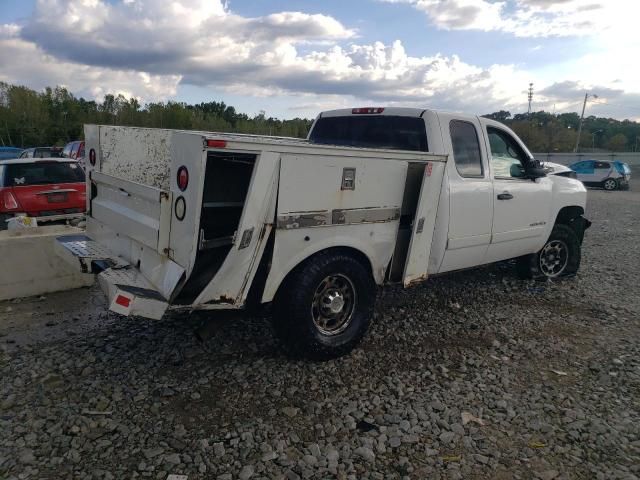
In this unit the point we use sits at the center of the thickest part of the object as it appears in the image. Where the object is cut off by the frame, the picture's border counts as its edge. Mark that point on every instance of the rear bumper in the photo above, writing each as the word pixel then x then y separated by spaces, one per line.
pixel 57 218
pixel 128 291
pixel 46 218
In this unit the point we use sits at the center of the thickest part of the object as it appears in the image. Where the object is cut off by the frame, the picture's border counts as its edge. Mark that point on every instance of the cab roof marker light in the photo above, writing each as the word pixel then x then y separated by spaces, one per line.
pixel 367 110
pixel 216 143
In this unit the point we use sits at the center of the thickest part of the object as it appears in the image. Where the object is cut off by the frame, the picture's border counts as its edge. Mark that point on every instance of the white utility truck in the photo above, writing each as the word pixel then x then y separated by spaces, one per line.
pixel 195 220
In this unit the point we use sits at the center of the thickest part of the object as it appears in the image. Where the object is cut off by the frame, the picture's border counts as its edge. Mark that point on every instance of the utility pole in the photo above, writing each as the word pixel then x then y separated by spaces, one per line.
pixel 584 105
pixel 530 97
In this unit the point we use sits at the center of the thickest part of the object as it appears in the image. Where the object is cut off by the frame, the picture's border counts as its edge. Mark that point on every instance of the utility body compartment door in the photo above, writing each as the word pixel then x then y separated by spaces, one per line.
pixel 336 200
pixel 230 285
pixel 423 224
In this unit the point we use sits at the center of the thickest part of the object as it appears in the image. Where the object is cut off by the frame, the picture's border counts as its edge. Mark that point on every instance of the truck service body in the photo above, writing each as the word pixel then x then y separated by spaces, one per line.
pixel 204 220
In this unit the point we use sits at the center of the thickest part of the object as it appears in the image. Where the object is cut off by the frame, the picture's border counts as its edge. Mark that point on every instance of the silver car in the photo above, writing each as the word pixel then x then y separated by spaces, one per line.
pixel 610 175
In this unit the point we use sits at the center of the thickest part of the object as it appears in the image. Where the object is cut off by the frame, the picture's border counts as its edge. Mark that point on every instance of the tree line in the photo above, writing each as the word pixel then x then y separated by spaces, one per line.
pixel 547 132
pixel 55 116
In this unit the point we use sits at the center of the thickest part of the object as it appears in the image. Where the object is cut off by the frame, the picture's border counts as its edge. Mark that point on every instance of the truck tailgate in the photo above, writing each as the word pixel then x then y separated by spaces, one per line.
pixel 141 212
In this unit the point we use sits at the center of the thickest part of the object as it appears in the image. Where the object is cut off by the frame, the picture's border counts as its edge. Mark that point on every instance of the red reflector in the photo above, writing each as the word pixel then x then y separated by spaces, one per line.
pixel 123 301
pixel 183 178
pixel 366 110
pixel 217 143
pixel 10 202
pixel 92 157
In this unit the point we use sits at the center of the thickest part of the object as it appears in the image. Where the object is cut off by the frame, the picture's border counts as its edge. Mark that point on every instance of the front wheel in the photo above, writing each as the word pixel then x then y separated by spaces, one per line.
pixel 610 184
pixel 323 308
pixel 559 257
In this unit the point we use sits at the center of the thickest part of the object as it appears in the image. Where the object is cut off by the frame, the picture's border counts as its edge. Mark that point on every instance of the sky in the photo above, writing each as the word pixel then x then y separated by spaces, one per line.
pixel 295 58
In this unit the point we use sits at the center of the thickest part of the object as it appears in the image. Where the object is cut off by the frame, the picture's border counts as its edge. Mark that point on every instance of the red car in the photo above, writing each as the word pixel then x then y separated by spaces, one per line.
pixel 74 150
pixel 50 189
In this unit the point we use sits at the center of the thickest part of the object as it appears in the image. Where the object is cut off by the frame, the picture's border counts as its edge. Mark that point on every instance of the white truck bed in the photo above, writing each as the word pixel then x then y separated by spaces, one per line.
pixel 246 195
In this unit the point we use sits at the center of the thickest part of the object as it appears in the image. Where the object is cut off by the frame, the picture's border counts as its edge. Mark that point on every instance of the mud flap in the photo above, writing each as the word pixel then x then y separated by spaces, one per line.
pixel 580 225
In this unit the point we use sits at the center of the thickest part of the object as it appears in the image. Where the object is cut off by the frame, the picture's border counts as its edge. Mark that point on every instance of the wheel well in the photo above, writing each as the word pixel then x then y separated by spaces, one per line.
pixel 353 252
pixel 567 214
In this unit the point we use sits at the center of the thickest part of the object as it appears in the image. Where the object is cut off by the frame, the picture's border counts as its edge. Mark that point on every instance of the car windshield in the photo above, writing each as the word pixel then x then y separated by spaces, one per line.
pixel 47 153
pixel 380 131
pixel 42 173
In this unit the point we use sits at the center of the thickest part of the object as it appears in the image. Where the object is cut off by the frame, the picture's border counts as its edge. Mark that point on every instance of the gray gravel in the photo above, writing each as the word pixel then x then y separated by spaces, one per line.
pixel 475 375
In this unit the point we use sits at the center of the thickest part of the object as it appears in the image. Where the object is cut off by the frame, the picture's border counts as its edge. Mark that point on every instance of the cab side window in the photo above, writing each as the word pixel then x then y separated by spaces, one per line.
pixel 466 149
pixel 508 160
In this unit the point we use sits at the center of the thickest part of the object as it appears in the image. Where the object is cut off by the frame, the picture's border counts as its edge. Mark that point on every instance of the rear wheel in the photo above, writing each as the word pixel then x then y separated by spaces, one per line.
pixel 3 221
pixel 610 184
pixel 324 307
pixel 560 256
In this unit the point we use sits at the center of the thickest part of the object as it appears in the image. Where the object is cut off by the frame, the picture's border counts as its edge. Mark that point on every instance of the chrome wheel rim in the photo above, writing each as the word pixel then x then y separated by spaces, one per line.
pixel 610 185
pixel 554 258
pixel 333 305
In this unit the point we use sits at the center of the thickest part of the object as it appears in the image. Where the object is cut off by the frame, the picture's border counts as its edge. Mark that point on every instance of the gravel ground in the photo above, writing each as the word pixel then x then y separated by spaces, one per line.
pixel 474 375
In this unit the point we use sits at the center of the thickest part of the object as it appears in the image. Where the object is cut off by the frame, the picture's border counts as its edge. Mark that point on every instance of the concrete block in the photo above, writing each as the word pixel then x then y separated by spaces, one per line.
pixel 29 265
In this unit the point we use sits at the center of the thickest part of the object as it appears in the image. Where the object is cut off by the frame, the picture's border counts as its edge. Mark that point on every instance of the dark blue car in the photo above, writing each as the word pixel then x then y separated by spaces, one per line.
pixel 9 152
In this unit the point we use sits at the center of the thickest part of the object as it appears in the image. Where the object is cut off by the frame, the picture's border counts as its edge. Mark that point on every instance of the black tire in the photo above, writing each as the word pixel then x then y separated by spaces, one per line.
pixel 610 184
pixel 537 265
pixel 3 221
pixel 296 315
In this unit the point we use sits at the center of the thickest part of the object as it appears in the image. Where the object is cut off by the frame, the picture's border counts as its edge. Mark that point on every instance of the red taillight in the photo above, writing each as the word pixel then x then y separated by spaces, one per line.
pixel 92 157
pixel 9 201
pixel 123 301
pixel 217 143
pixel 366 110
pixel 183 178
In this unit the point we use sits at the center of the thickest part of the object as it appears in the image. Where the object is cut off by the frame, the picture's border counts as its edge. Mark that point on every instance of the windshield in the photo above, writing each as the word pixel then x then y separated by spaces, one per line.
pixel 47 153
pixel 381 131
pixel 42 173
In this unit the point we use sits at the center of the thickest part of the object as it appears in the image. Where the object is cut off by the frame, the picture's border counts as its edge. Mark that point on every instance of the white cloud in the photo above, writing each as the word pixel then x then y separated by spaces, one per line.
pixel 25 63
pixel 528 18
pixel 145 49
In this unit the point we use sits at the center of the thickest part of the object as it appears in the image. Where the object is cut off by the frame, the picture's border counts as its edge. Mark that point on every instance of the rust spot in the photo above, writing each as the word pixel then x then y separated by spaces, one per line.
pixel 417 280
pixel 222 300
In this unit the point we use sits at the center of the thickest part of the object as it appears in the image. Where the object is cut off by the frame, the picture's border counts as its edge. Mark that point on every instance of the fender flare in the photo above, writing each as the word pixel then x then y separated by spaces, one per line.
pixel 378 262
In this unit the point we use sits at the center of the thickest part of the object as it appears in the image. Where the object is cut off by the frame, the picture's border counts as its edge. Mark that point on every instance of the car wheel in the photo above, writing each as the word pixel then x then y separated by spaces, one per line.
pixel 560 256
pixel 610 184
pixel 3 221
pixel 323 308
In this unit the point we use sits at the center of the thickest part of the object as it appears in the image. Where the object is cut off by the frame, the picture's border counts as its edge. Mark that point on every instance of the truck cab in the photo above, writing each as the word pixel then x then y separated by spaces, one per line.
pixel 496 203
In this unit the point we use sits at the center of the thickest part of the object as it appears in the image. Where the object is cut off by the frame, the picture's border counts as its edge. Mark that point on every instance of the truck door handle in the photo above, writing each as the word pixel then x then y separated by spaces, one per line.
pixel 505 196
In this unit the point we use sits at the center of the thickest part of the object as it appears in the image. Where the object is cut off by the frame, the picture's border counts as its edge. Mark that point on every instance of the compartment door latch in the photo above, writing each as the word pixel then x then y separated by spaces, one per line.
pixel 348 179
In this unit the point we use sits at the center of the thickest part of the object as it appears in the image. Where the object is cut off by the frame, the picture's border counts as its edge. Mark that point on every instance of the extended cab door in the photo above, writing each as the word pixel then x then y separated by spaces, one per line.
pixel 521 206
pixel 470 193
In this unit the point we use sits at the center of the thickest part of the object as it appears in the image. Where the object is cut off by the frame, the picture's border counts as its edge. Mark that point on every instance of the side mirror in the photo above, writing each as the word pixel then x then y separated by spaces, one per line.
pixel 516 170
pixel 536 172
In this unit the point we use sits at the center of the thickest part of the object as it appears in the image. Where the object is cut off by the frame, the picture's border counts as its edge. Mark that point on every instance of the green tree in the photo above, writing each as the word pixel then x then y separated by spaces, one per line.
pixel 617 143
